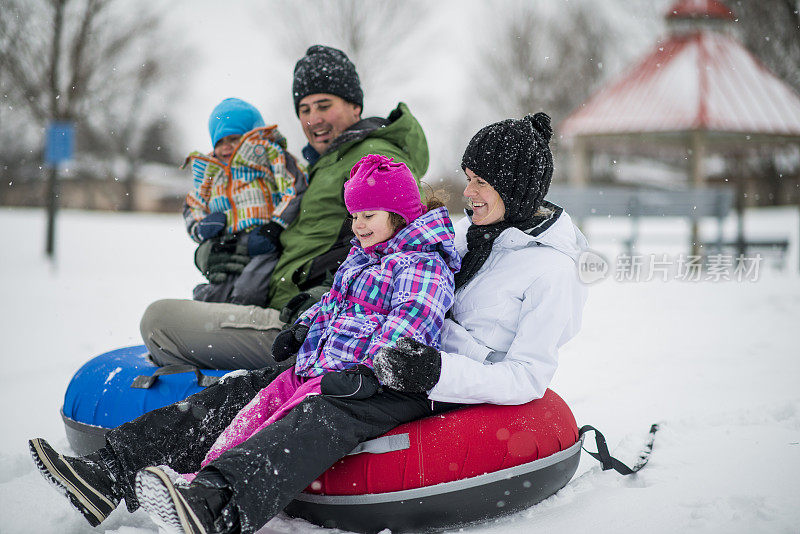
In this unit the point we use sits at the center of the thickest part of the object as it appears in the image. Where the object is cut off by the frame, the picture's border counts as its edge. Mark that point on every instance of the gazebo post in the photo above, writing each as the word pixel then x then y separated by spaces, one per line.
pixel 579 169
pixel 697 176
pixel 741 190
pixel 579 176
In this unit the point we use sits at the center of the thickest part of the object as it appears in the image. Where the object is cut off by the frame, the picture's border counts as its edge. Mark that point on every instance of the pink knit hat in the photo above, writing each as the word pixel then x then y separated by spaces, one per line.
pixel 378 183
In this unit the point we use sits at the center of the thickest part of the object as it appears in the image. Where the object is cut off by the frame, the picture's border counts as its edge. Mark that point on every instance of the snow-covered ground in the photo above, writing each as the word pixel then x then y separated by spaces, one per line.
pixel 715 363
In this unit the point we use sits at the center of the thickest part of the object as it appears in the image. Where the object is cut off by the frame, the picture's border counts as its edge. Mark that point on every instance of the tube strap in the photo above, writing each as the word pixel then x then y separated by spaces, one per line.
pixel 609 462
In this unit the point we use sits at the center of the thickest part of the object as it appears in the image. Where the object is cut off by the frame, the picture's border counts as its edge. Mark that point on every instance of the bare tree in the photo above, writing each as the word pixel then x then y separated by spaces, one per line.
pixel 124 127
pixel 373 34
pixel 93 62
pixel 771 30
pixel 542 60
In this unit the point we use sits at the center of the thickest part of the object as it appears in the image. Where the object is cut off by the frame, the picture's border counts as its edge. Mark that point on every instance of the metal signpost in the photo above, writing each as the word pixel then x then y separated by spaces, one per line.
pixel 59 147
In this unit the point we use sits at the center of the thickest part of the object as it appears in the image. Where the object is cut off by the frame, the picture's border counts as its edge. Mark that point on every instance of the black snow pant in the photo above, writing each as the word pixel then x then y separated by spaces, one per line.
pixel 268 470
pixel 248 288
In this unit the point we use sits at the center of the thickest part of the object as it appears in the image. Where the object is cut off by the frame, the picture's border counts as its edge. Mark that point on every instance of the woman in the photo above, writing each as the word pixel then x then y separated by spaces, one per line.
pixel 518 299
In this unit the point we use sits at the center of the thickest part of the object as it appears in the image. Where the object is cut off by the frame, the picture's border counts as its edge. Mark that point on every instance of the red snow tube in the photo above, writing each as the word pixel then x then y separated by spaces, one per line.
pixel 449 470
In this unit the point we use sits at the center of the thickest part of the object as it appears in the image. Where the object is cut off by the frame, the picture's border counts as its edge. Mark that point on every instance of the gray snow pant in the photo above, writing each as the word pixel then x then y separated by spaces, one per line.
pixel 268 470
pixel 210 335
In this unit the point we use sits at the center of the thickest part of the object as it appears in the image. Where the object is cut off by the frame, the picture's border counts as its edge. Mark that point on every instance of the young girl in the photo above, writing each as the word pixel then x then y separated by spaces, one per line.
pixel 397 281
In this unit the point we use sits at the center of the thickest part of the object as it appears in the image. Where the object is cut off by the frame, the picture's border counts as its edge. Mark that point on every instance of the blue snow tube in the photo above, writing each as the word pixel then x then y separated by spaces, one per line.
pixel 119 386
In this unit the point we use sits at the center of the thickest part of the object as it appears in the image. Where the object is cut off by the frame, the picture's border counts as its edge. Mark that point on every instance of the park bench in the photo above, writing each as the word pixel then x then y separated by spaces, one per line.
pixel 689 203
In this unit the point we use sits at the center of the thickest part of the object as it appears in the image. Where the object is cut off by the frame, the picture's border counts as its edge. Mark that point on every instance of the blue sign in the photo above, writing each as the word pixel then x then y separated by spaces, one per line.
pixel 60 142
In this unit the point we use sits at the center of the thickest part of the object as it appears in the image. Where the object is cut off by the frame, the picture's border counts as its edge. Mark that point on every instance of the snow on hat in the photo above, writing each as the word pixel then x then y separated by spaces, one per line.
pixel 378 183
pixel 514 157
pixel 232 116
pixel 326 70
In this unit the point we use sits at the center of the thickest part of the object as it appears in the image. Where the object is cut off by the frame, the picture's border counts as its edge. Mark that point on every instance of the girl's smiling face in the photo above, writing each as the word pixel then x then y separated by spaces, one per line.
pixel 372 227
pixel 487 206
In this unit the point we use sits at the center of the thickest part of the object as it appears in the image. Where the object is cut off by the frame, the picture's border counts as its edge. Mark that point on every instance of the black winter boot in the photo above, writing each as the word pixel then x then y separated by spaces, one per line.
pixel 90 482
pixel 202 507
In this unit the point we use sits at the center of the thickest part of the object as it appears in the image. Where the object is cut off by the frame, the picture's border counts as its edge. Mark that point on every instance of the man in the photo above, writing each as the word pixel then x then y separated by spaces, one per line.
pixel 328 101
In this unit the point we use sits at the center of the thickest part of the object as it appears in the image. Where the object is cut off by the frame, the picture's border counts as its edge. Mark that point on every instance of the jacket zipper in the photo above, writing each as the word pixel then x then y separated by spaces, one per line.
pixel 234 217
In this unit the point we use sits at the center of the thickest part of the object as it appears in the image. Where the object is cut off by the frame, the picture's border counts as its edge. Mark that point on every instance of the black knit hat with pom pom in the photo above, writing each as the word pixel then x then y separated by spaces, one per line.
pixel 514 157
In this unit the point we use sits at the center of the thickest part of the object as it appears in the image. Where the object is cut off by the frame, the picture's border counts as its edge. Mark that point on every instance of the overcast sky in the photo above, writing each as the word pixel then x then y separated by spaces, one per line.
pixel 234 49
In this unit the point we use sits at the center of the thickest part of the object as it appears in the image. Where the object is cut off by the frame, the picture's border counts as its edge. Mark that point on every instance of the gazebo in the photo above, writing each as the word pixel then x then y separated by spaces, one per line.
pixel 698 92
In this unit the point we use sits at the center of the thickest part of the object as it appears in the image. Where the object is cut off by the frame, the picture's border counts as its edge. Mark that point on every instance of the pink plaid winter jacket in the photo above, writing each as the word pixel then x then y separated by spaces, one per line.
pixel 401 287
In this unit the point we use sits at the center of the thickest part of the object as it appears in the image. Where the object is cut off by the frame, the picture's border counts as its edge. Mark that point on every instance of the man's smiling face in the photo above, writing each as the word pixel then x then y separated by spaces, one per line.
pixel 324 117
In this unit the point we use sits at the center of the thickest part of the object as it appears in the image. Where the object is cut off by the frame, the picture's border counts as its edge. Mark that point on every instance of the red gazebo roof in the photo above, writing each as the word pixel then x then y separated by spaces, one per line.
pixel 700 80
pixel 693 9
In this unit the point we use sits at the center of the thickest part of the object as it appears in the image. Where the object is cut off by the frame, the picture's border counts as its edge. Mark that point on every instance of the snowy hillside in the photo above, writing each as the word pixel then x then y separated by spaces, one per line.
pixel 716 363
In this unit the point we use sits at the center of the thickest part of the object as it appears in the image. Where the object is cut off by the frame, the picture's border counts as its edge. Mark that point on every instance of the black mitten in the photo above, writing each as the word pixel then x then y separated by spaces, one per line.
pixel 212 225
pixel 358 382
pixel 288 342
pixel 264 239
pixel 409 366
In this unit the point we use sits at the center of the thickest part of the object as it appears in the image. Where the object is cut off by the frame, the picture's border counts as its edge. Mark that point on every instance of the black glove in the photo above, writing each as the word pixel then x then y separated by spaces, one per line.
pixel 264 239
pixel 227 256
pixel 288 342
pixel 299 303
pixel 358 383
pixel 409 366
pixel 221 256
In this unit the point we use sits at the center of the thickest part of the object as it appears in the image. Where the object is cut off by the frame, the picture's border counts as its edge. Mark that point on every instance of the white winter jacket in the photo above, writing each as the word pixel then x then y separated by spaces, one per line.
pixel 524 303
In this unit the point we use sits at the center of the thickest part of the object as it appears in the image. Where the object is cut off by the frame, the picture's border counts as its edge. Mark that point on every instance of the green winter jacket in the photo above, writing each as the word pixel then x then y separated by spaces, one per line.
pixel 319 238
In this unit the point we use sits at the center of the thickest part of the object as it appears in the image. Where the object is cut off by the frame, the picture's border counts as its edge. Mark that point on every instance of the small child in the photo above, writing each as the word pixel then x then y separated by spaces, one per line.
pixel 396 281
pixel 245 193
